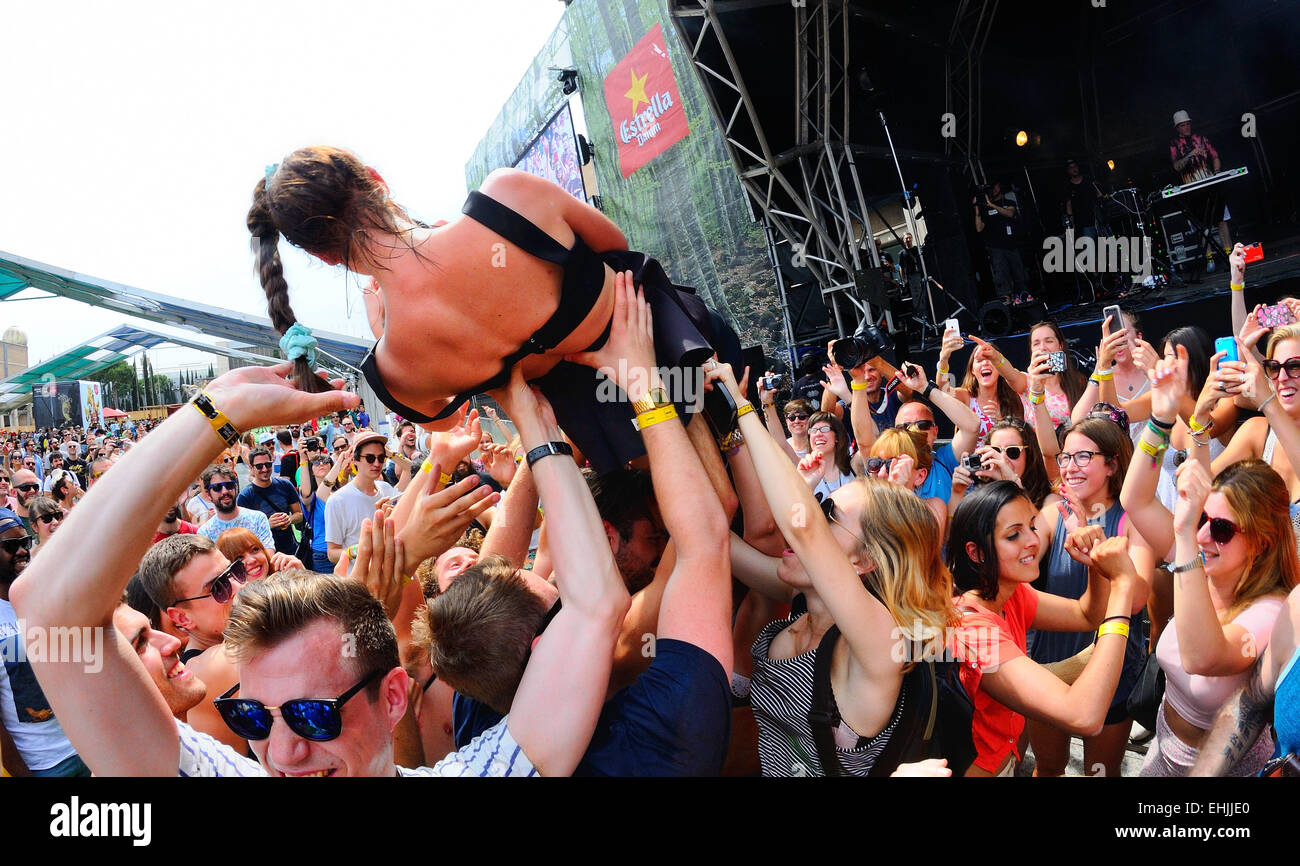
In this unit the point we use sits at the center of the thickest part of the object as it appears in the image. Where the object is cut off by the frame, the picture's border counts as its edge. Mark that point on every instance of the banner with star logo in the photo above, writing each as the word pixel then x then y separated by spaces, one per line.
pixel 644 104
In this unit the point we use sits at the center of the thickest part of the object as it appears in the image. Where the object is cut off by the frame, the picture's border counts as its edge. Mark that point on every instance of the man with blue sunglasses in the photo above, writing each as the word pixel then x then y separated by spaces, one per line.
pixel 321 688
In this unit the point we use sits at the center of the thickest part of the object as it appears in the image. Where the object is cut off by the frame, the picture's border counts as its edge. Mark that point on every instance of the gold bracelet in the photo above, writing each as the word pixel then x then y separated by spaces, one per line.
pixel 858 386
pixel 744 410
pixel 1113 627
pixel 654 416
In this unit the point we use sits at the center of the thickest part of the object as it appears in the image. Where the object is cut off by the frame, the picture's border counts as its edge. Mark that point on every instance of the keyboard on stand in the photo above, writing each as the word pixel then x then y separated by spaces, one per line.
pixel 1202 183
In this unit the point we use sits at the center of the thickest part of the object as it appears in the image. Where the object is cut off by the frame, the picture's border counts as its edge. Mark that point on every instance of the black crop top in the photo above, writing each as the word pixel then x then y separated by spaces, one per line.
pixel 580 288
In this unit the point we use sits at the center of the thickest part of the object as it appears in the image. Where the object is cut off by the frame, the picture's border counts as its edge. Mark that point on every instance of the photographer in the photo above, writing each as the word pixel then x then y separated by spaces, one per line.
pixel 995 217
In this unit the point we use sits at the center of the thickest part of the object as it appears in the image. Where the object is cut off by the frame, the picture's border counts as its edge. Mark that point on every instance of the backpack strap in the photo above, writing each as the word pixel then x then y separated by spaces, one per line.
pixel 823 715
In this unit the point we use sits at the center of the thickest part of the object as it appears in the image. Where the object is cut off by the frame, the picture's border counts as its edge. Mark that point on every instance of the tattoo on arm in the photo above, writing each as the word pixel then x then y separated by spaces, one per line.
pixel 1254 710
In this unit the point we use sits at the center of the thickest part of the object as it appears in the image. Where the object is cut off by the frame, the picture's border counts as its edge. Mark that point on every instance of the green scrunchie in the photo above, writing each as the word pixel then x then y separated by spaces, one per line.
pixel 298 342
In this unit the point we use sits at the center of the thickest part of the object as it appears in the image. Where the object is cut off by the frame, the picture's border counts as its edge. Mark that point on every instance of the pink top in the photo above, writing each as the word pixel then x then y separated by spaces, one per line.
pixel 1197 698
pixel 1058 407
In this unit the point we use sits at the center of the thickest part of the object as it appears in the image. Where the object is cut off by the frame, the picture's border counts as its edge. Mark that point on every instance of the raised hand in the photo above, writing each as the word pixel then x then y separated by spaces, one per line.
pixel 1237 263
pixel 1111 560
pixel 835 382
pixel 254 397
pixel 811 467
pixel 961 477
pixel 994 466
pixel 1193 490
pixel 900 472
pixel 1038 371
pixel 1110 342
pixel 499 461
pixel 1079 543
pixel 1169 385
pixel 1255 384
pixel 1145 356
pixel 952 342
pixel 380 561
pixel 913 376
pixel 630 348
pixel 438 518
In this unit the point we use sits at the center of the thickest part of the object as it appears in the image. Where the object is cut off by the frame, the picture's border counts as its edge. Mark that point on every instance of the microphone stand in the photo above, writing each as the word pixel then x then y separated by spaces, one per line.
pixel 911 227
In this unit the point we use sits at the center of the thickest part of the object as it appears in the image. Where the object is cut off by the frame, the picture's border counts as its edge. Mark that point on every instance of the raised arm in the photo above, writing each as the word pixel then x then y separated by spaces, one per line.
pixel 864 621
pixel 966 436
pixel 1014 377
pixel 563 687
pixel 512 528
pixel 1146 512
pixel 1032 690
pixel 1057 613
pixel 78 579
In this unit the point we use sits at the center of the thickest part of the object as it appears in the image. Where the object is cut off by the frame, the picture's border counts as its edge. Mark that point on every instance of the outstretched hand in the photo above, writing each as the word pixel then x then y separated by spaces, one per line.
pixel 254 397
pixel 630 349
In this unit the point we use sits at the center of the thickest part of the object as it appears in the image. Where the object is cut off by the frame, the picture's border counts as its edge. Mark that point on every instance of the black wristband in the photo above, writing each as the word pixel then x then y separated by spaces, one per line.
pixel 1161 424
pixel 925 392
pixel 547 450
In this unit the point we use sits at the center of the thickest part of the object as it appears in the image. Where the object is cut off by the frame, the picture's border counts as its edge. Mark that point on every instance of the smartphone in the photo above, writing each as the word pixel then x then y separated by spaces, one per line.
pixel 1116 317
pixel 951 325
pixel 1229 345
pixel 1056 362
pixel 1254 253
pixel 1275 316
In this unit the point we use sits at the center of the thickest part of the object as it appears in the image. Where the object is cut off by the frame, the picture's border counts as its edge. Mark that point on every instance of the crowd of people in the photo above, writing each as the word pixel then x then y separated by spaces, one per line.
pixel 820 588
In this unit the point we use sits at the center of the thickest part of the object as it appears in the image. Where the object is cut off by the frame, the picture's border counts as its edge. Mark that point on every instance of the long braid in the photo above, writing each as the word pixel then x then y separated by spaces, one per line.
pixel 270 271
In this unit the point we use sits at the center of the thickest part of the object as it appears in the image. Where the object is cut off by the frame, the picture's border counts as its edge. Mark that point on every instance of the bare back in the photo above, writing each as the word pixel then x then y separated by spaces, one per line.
pixel 470 297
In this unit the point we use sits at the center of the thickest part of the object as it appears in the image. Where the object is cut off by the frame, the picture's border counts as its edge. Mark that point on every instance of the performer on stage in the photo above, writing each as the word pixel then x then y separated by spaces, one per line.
pixel 1081 197
pixel 525 277
pixel 995 221
pixel 909 259
pixel 1194 158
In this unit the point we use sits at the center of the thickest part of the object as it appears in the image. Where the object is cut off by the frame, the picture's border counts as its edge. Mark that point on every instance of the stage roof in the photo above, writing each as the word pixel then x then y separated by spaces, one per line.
pixel 18 273
pixel 88 358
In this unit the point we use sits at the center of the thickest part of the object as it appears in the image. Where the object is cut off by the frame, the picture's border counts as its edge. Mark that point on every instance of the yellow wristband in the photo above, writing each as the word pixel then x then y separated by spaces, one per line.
pixel 1150 450
pixel 444 478
pixel 1113 627
pixel 220 423
pixel 1037 398
pixel 1197 429
pixel 654 416
pixel 1237 287
pixel 744 410
pixel 858 386
pixel 942 371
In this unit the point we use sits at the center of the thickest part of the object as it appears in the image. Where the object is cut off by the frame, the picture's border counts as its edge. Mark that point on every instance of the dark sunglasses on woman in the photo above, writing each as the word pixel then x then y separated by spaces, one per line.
pixel 796 416
pixel 1274 368
pixel 317 719
pixel 1222 529
pixel 874 464
pixel 47 519
pixel 221 590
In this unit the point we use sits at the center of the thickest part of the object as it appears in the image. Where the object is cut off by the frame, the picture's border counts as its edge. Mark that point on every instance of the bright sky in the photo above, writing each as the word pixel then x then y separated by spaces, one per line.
pixel 134 133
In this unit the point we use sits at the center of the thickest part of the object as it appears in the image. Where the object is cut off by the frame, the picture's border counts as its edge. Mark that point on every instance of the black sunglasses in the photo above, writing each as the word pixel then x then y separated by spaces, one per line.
pixel 874 464
pixel 47 519
pixel 317 719
pixel 1275 368
pixel 221 590
pixel 1222 529
pixel 797 416
pixel 1012 451
pixel 219 486
pixel 13 545
pixel 370 458
pixel 923 425
pixel 28 487
pixel 261 466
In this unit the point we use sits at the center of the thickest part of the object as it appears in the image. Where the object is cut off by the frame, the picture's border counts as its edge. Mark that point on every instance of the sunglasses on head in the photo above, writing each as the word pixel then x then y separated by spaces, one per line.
pixel 317 719
pixel 221 590
pixel 371 458
pixel 1012 451
pixel 47 519
pixel 222 486
pixel 1274 368
pixel 828 508
pixel 28 487
pixel 796 416
pixel 13 545
pixel 1222 530
pixel 1110 413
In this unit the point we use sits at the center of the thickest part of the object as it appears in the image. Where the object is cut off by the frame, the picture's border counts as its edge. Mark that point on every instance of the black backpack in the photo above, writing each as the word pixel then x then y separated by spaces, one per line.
pixel 936 720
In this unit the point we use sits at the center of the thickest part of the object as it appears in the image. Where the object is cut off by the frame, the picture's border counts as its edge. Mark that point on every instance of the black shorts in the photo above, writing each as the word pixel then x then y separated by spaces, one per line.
pixel 687 333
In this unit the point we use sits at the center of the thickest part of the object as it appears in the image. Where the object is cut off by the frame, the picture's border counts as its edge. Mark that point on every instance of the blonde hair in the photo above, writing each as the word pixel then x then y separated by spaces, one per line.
pixel 1287 332
pixel 903 542
pixel 895 441
pixel 1258 498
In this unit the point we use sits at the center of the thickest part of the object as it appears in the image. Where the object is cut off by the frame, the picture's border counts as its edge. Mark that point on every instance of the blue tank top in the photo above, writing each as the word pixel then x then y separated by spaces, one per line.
pixel 1069 579
pixel 1286 708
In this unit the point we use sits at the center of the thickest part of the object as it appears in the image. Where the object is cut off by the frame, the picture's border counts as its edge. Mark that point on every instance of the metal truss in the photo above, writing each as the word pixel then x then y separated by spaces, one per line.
pixel 971 26
pixel 810 196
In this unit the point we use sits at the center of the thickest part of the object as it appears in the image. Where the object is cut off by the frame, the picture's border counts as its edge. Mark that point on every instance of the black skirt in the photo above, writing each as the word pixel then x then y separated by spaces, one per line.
pixel 596 415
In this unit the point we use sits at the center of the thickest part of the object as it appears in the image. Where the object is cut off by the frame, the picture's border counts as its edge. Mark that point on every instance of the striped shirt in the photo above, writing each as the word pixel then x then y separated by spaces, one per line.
pixel 492 753
pixel 781 693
